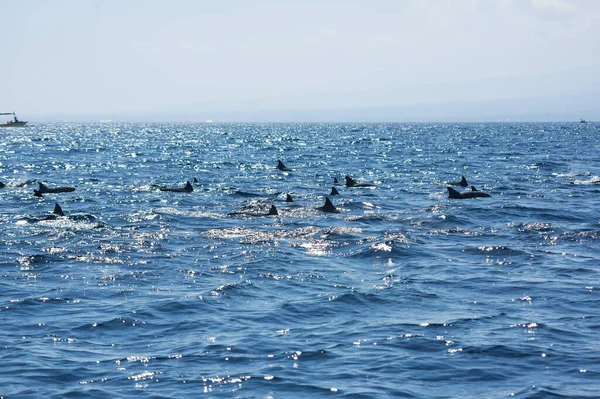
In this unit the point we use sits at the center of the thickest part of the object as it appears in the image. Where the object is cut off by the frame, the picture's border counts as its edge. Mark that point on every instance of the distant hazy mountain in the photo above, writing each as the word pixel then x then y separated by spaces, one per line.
pixel 558 96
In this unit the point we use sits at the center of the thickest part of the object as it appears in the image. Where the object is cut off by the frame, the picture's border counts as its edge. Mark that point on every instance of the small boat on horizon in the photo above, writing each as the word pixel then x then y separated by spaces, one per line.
pixel 15 123
pixel 582 121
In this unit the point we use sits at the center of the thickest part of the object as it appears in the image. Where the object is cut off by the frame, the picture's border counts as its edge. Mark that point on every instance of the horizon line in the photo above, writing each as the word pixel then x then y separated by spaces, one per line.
pixel 208 121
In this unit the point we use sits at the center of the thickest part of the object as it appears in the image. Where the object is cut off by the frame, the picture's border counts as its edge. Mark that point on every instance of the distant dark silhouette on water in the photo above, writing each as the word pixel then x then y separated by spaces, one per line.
pixel 58 210
pixel 251 212
pixel 43 189
pixel 462 182
pixel 328 207
pixel 186 189
pixel 474 193
pixel 281 166
pixel 350 182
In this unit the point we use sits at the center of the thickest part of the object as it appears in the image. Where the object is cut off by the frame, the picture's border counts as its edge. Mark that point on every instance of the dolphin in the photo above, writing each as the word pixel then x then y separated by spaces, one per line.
pixel 350 182
pixel 272 212
pixel 328 207
pixel 281 166
pixel 58 210
pixel 186 189
pixel 289 198
pixel 335 180
pixel 452 193
pixel 462 182
pixel 43 189
pixel 334 191
pixel 2 185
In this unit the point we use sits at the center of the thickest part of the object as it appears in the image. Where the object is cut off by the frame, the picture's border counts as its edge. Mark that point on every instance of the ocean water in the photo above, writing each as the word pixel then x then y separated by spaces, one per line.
pixel 404 293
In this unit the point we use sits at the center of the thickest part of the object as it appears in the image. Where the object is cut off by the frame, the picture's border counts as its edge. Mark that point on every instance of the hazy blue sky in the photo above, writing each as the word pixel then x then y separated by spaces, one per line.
pixel 302 60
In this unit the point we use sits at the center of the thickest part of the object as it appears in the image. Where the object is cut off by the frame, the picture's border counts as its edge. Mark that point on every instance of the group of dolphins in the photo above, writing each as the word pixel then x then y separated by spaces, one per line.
pixel 474 193
pixel 350 182
pixel 327 207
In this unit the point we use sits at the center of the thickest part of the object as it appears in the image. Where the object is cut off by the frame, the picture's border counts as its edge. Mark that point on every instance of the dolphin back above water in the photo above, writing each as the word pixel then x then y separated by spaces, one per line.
pixel 281 166
pixel 462 182
pixel 272 212
pixel 328 207
pixel 452 193
pixel 58 210
pixel 43 189
pixel 186 189
pixel 350 182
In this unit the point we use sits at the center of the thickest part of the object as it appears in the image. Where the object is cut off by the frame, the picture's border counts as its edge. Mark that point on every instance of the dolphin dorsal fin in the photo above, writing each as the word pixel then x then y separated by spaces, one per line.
pixel 463 182
pixel 188 186
pixel 334 191
pixel 273 211
pixel 350 181
pixel 58 210
pixel 289 198
pixel 329 207
pixel 42 186
pixel 280 165
pixel 37 193
pixel 473 188
pixel 335 180
pixel 452 193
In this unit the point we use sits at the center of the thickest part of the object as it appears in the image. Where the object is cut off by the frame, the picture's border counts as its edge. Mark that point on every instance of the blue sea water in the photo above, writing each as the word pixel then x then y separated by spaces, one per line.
pixel 405 293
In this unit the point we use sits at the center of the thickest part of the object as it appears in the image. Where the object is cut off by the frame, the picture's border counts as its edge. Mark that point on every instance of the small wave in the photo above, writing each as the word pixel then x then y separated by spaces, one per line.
pixel 591 181
pixel 547 165
pixel 537 227
pixel 536 392
pixel 98 259
pixel 455 230
pixel 72 223
pixel 369 217
pixel 244 194
pixel 22 183
pixel 319 248
pixel 591 235
pixel 342 232
pixel 43 300
pixel 355 298
pixel 191 214
pixel 494 250
pixel 572 174
pixel 192 273
pixel 31 261
pixel 258 236
pixel 396 237
pixel 500 351
pixel 117 323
